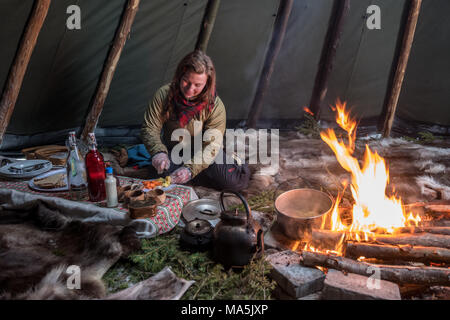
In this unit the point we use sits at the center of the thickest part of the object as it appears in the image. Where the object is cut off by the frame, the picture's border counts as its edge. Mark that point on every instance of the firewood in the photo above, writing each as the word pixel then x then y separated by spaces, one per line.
pixel 435 223
pixel 330 239
pixel 420 229
pixel 440 208
pixel 398 274
pixel 355 249
pixel 420 239
pixel 436 205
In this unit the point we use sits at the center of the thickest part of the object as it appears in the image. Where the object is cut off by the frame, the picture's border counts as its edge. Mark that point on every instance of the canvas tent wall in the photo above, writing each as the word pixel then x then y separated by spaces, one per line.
pixel 66 64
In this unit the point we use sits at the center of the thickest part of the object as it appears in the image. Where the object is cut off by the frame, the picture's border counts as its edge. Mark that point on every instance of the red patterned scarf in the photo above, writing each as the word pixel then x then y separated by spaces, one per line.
pixel 186 110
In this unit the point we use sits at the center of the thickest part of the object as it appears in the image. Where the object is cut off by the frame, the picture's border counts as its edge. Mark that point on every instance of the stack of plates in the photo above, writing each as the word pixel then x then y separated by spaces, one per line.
pixel 25 169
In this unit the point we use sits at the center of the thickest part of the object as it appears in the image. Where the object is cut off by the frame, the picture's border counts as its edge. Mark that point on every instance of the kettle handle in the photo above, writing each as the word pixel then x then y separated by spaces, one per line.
pixel 246 206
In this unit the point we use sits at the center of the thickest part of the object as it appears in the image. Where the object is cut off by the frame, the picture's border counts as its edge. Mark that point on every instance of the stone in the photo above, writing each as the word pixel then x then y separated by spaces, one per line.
pixel 350 286
pixel 275 239
pixel 279 294
pixel 313 296
pixel 296 280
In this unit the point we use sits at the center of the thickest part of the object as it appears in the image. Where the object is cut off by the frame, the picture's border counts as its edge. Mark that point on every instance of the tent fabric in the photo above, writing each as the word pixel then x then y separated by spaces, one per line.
pixel 66 65
pixel 425 95
pixel 238 46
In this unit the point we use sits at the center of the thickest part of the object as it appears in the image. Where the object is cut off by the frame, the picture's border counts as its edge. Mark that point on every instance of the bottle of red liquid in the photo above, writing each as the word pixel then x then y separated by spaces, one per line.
pixel 95 167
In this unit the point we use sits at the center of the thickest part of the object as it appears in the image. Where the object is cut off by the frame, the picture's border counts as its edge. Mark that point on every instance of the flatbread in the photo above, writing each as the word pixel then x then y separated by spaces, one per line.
pixel 51 182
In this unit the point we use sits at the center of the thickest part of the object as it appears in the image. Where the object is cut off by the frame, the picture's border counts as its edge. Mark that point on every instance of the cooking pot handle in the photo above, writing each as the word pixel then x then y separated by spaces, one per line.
pixel 247 208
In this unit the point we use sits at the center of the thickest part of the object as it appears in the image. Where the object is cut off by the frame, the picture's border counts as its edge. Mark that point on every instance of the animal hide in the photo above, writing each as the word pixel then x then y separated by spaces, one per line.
pixel 38 244
pixel 165 285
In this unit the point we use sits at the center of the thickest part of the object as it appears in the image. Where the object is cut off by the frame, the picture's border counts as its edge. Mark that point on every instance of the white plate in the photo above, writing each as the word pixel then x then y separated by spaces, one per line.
pixel 25 168
pixel 48 174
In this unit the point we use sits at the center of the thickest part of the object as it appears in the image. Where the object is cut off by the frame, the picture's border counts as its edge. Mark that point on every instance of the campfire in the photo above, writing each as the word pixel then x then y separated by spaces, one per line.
pixel 373 211
pixel 407 244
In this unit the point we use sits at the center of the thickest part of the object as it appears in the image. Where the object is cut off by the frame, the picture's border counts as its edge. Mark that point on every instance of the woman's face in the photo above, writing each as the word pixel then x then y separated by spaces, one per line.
pixel 192 84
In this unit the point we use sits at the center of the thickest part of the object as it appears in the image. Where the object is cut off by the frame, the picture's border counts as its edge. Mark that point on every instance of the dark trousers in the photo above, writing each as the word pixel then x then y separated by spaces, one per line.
pixel 232 177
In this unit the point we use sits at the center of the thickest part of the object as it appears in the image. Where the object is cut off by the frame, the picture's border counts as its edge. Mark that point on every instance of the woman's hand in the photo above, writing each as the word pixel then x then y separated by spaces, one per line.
pixel 161 162
pixel 181 175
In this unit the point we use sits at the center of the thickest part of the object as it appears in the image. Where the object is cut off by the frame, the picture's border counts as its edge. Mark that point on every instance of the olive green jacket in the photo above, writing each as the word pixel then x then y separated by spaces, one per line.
pixel 156 142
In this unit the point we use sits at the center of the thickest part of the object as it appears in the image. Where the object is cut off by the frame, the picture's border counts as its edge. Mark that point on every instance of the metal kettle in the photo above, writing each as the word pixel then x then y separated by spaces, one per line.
pixel 237 237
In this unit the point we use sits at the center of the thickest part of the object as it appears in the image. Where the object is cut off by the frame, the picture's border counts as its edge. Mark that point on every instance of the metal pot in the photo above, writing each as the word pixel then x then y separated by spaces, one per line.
pixel 300 210
pixel 237 237
pixel 197 235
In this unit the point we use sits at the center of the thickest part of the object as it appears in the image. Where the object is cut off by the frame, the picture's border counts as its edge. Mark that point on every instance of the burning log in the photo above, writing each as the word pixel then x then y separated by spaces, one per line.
pixel 401 252
pixel 330 239
pixel 420 239
pixel 435 209
pixel 399 274
pixel 326 238
pixel 435 223
pixel 422 229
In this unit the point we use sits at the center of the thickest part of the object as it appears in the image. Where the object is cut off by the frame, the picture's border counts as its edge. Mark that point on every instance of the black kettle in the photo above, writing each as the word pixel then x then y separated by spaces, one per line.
pixel 237 237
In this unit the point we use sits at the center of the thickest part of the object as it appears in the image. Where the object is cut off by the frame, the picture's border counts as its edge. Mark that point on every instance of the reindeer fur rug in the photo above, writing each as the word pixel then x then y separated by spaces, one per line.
pixel 38 244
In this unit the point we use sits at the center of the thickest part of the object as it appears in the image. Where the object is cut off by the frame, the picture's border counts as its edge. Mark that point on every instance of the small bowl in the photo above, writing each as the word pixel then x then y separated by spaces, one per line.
pixel 158 194
pixel 140 209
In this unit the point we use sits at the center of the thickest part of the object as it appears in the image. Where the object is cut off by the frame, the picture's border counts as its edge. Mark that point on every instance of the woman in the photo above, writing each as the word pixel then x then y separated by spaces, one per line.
pixel 190 102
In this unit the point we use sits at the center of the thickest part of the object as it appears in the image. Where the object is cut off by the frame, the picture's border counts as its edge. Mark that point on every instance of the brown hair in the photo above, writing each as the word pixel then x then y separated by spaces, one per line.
pixel 198 62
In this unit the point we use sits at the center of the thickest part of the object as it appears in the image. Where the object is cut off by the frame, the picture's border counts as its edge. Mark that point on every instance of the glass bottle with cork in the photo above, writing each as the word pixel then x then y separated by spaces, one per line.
pixel 95 167
pixel 76 171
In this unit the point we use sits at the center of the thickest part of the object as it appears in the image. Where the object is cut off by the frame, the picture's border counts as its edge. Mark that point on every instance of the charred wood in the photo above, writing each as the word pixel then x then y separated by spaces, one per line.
pixel 397 274
pixel 330 239
pixel 394 253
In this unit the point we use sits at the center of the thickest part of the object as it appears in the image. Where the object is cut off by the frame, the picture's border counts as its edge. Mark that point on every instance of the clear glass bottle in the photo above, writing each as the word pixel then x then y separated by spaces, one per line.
pixel 76 171
pixel 95 167
pixel 111 189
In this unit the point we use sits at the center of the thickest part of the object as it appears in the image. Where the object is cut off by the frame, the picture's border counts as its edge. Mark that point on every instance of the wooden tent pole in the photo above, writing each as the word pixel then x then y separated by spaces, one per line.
pixel 280 27
pixel 328 55
pixel 19 66
pixel 207 25
pixel 403 56
pixel 110 67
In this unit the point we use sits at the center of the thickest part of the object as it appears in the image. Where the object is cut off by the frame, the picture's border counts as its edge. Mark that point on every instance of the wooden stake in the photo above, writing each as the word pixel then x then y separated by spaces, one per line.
pixel 207 25
pixel 19 66
pixel 403 56
pixel 332 40
pixel 284 12
pixel 110 67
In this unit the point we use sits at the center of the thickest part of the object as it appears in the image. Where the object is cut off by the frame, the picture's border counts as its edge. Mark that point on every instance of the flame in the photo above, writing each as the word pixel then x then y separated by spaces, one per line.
pixel 295 246
pixel 372 209
pixel 307 110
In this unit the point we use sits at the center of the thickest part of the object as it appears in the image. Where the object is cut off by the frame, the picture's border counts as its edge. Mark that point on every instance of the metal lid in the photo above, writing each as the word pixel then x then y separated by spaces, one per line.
pixel 198 227
pixel 205 209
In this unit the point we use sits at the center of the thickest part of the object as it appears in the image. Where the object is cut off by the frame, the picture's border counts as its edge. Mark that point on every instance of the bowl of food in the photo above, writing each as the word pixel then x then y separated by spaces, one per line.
pixel 300 210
